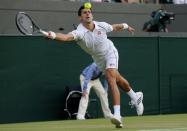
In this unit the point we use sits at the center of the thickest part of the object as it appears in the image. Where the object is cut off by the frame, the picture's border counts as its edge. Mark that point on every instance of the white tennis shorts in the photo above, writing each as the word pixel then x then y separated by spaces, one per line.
pixel 110 60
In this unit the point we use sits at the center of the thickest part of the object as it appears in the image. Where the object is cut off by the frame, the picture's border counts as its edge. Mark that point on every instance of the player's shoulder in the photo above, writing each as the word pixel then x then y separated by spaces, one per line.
pixel 101 23
pixel 81 28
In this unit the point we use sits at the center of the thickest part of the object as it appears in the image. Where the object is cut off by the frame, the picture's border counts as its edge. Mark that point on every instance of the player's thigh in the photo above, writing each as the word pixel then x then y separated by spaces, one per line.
pixel 112 60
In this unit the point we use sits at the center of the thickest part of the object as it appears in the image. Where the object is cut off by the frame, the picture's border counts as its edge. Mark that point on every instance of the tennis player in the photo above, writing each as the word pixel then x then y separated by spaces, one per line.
pixel 91 36
pixel 89 78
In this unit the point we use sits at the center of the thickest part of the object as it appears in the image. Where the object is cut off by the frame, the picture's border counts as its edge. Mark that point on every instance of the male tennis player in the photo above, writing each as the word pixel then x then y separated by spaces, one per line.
pixel 91 36
pixel 89 78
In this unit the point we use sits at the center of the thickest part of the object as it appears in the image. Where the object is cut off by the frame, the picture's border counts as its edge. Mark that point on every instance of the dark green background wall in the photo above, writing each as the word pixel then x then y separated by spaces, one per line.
pixel 34 72
pixel 173 74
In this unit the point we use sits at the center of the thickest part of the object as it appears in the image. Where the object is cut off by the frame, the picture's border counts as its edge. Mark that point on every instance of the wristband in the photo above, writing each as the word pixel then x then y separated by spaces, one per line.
pixel 125 26
pixel 52 34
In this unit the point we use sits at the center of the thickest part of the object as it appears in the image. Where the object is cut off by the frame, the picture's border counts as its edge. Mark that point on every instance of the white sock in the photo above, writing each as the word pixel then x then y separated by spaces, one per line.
pixel 117 110
pixel 132 95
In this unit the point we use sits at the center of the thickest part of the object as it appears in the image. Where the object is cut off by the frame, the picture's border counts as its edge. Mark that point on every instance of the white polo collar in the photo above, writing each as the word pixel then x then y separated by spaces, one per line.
pixel 82 28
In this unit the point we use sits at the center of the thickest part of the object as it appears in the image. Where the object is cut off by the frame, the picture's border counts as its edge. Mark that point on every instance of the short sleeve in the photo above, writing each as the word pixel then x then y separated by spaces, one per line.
pixel 76 34
pixel 106 26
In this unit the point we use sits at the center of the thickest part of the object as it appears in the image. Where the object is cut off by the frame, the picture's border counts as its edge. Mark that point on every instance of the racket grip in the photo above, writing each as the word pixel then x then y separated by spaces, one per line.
pixel 44 32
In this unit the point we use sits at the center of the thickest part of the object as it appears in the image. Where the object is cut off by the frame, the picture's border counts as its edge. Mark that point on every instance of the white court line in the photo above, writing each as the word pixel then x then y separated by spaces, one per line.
pixel 166 129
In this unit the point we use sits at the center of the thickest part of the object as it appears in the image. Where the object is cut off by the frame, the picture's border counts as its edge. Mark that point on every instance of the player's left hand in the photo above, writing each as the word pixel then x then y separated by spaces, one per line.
pixel 130 29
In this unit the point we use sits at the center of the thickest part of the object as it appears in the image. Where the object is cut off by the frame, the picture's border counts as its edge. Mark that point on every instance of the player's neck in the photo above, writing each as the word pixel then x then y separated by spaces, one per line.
pixel 90 26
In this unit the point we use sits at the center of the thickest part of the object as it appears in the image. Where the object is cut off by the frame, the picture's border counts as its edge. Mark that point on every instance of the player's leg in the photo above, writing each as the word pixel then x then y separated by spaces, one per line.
pixel 136 98
pixel 111 78
pixel 124 85
pixel 111 74
pixel 83 104
pixel 103 97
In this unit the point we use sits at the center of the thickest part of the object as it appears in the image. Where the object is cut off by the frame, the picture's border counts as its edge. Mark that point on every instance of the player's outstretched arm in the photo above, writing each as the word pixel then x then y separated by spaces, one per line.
pixel 60 36
pixel 123 26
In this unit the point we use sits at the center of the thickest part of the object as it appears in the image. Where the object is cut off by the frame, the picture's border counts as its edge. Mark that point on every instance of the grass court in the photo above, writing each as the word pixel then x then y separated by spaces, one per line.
pixel 177 122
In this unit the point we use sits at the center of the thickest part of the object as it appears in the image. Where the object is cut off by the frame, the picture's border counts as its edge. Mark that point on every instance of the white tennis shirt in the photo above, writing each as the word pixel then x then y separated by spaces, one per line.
pixel 96 42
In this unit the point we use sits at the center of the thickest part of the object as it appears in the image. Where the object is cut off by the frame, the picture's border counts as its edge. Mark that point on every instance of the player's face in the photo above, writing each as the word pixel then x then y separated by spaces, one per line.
pixel 86 16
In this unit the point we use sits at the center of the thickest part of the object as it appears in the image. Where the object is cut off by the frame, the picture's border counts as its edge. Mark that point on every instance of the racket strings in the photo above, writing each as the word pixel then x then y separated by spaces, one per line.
pixel 25 24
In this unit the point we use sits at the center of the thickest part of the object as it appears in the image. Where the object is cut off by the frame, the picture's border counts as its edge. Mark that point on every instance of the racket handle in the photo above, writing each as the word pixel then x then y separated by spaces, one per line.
pixel 44 32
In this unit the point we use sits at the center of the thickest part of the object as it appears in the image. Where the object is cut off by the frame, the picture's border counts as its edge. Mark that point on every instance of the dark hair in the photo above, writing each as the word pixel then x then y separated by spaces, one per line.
pixel 80 9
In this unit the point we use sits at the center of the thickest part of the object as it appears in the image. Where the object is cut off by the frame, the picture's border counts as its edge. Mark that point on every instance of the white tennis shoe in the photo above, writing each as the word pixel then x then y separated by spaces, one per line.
pixel 80 117
pixel 116 120
pixel 138 103
pixel 109 116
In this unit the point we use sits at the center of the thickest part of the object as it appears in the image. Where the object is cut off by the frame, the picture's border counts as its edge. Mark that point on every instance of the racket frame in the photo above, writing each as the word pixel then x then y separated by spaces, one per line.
pixel 35 27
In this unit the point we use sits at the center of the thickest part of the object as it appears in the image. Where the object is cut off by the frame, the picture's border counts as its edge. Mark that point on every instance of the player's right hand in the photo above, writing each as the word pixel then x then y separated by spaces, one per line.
pixel 51 35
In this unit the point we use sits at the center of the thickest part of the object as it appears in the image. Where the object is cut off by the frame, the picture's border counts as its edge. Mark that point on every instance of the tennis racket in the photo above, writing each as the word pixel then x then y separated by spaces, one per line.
pixel 27 26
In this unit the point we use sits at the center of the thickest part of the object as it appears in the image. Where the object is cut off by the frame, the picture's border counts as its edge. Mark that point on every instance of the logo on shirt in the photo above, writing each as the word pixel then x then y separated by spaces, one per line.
pixel 112 65
pixel 99 33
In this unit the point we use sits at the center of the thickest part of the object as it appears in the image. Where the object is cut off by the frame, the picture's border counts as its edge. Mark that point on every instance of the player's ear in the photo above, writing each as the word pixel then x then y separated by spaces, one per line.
pixel 80 18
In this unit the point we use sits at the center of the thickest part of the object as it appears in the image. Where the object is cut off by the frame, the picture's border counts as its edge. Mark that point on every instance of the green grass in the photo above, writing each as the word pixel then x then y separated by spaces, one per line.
pixel 145 123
